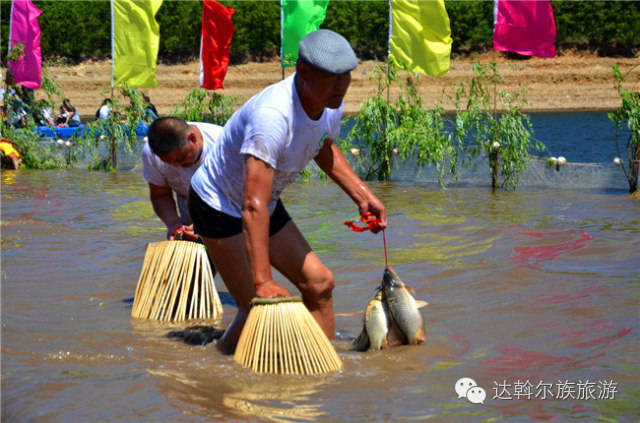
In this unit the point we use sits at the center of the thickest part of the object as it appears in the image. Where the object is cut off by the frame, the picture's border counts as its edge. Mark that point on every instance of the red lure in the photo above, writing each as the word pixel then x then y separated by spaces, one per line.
pixel 373 224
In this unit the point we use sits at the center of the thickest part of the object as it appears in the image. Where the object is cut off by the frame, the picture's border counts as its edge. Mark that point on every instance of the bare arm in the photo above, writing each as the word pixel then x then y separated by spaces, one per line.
pixel 258 182
pixel 165 208
pixel 333 163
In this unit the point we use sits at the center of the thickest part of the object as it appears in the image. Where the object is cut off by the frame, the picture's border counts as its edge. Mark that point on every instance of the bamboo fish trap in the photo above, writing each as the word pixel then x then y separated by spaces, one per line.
pixel 176 283
pixel 281 337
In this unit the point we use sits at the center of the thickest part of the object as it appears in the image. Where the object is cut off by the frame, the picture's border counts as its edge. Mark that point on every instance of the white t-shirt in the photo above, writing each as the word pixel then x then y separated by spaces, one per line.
pixel 163 174
pixel 273 127
pixel 104 112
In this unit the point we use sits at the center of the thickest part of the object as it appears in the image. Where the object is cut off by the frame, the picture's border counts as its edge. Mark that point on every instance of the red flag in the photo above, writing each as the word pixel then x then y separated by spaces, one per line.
pixel 25 30
pixel 524 27
pixel 217 31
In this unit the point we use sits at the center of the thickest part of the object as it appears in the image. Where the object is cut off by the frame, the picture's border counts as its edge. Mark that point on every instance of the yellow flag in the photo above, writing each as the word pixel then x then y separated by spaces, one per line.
pixel 135 38
pixel 420 38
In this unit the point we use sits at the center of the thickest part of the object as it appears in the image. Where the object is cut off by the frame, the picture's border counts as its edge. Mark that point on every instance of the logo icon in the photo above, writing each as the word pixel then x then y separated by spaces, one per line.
pixel 467 388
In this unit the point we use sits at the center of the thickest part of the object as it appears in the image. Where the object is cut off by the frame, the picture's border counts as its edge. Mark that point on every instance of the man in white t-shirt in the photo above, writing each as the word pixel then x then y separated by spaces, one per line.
pixel 234 195
pixel 174 151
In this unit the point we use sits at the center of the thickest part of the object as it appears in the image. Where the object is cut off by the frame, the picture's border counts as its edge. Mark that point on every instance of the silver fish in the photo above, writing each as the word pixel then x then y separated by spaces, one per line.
pixel 374 332
pixel 403 307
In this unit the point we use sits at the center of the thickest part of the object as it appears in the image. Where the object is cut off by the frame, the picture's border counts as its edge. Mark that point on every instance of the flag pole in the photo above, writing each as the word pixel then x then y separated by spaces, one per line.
pixel 282 37
pixel 114 158
pixel 389 50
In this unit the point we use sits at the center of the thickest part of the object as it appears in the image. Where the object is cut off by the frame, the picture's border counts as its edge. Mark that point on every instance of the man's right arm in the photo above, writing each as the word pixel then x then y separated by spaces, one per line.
pixel 165 208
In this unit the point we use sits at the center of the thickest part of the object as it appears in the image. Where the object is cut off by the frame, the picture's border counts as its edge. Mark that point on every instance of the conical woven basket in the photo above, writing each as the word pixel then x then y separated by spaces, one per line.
pixel 280 336
pixel 176 283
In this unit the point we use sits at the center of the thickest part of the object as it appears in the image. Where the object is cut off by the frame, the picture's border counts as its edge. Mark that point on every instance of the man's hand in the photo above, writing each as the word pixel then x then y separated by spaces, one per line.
pixel 270 289
pixel 181 232
pixel 374 207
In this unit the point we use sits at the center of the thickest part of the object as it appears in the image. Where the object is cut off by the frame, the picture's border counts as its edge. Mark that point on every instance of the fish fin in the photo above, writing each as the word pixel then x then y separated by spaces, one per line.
pixel 361 343
pixel 410 289
pixel 420 303
pixel 420 336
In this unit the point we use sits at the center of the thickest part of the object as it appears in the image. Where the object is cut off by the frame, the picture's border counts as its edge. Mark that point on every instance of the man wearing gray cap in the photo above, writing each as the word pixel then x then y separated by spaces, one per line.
pixel 234 198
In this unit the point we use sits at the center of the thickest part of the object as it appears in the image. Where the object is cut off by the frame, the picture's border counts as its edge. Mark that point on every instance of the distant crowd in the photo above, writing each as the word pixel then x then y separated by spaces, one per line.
pixel 20 104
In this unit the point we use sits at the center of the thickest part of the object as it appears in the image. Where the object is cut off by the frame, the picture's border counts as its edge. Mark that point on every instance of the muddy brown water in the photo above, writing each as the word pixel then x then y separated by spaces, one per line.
pixel 540 287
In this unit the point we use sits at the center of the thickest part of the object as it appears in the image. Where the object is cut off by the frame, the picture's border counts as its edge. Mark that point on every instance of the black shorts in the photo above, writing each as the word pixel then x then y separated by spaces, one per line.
pixel 211 223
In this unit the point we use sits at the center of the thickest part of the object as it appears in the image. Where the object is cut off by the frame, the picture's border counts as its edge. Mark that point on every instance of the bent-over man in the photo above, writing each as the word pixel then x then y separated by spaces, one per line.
pixel 174 151
pixel 235 195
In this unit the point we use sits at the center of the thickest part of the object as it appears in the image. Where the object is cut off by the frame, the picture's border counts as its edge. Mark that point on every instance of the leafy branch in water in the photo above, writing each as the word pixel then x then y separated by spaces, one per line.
pixel 118 130
pixel 505 136
pixel 628 115
pixel 403 128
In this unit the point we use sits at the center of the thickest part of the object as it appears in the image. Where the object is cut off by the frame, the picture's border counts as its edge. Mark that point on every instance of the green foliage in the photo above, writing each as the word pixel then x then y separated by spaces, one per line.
pixel 118 130
pixel 195 107
pixel 504 137
pixel 628 115
pixel 431 137
pixel 404 128
pixel 364 23
pixel 34 154
pixel 610 27
pixel 75 30
pixel 257 30
pixel 471 25
pixel 179 23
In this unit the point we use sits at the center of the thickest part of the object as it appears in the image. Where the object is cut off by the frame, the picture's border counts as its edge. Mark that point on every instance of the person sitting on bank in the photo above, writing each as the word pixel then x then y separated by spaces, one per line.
pixel 150 112
pixel 168 162
pixel 234 198
pixel 42 113
pixel 105 110
pixel 68 115
pixel 17 114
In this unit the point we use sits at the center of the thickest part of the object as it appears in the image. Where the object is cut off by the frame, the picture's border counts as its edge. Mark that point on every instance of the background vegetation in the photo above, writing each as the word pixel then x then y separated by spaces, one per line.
pixel 78 30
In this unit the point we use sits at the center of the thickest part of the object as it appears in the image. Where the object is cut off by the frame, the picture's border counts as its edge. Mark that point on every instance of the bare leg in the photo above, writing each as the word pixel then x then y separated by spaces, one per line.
pixel 290 253
pixel 230 259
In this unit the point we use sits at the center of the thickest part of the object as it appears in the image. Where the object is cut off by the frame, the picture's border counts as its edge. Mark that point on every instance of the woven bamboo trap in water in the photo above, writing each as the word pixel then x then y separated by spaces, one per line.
pixel 176 283
pixel 282 337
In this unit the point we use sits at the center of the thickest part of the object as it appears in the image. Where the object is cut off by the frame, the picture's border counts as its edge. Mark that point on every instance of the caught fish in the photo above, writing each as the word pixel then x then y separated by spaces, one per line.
pixel 374 332
pixel 403 307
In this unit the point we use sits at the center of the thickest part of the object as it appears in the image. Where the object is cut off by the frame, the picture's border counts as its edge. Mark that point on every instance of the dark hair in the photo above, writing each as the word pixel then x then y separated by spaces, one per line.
pixel 166 134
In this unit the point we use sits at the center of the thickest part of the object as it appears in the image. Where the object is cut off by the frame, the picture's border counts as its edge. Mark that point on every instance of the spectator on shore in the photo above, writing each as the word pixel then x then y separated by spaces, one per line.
pixel 74 118
pixel 105 110
pixel 42 113
pixel 150 112
pixel 68 115
pixel 3 115
pixel 17 114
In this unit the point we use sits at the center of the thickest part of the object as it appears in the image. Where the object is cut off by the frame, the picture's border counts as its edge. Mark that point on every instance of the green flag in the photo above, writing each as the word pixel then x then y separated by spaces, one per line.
pixel 298 19
pixel 135 37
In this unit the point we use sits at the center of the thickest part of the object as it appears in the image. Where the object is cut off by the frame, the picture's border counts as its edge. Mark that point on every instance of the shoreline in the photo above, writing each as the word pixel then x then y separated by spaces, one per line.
pixel 573 82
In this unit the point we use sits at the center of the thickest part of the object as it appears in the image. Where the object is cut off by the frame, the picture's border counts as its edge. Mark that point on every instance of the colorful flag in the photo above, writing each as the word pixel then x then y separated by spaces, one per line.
pixel 135 37
pixel 24 29
pixel 217 31
pixel 299 17
pixel 524 27
pixel 420 36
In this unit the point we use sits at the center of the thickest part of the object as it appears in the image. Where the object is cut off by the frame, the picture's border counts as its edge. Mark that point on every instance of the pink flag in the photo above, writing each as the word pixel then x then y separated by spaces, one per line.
pixel 524 27
pixel 24 29
pixel 217 31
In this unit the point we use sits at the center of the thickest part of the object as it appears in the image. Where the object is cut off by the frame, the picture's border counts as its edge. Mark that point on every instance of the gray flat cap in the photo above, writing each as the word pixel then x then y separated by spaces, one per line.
pixel 327 51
